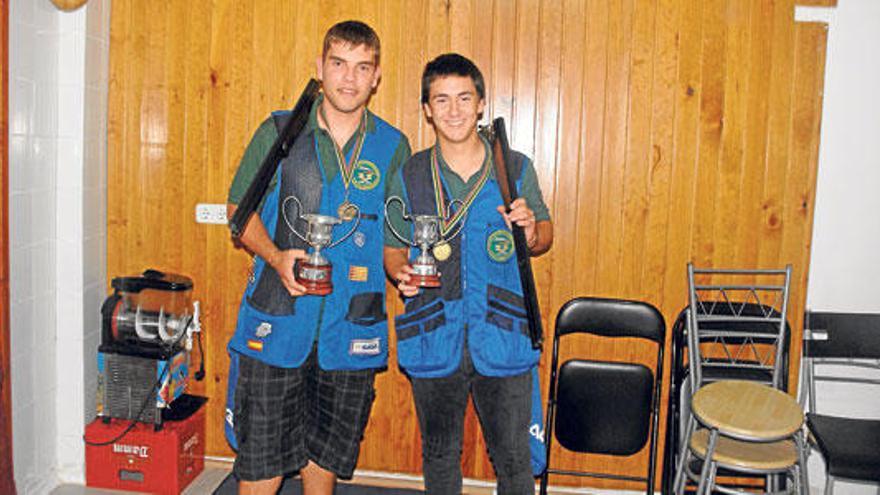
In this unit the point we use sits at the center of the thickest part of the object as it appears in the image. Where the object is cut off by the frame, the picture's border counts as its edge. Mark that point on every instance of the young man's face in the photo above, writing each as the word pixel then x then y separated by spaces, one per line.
pixel 454 107
pixel 348 75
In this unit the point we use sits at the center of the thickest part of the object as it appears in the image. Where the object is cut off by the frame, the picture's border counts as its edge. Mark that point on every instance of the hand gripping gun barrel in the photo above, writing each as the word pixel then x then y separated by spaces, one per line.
pixel 497 137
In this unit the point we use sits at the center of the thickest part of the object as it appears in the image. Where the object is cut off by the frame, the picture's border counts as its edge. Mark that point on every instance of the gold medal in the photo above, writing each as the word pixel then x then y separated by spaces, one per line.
pixel 442 251
pixel 346 211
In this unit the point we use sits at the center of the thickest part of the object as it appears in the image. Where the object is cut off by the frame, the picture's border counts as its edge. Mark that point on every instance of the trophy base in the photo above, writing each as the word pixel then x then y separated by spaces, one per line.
pixel 429 281
pixel 315 278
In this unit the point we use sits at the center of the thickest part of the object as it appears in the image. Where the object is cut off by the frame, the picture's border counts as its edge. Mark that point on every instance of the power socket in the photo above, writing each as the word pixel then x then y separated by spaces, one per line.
pixel 211 213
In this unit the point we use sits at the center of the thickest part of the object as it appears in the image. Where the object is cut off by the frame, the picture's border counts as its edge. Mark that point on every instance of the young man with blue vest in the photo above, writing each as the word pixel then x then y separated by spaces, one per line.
pixel 305 364
pixel 469 336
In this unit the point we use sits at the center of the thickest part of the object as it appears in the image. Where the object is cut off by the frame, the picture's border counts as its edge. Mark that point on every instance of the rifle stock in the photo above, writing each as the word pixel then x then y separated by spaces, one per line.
pixel 299 116
pixel 507 184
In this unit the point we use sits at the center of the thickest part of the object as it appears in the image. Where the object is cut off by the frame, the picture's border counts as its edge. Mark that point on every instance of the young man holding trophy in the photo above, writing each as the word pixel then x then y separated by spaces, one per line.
pixel 312 327
pixel 464 329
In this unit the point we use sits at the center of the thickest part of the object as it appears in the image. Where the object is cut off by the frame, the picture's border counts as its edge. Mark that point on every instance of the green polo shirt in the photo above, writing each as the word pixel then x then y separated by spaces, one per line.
pixel 267 133
pixel 458 189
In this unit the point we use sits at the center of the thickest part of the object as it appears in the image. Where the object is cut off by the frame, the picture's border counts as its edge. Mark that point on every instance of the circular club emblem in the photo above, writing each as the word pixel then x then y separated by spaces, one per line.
pixel 366 175
pixel 499 245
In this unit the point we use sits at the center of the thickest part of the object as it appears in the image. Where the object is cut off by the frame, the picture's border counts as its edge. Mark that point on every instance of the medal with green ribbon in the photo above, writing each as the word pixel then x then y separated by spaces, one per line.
pixel 346 210
pixel 443 250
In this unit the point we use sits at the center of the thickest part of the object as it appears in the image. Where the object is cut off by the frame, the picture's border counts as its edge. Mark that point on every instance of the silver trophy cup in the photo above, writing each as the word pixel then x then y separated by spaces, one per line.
pixel 315 273
pixel 428 238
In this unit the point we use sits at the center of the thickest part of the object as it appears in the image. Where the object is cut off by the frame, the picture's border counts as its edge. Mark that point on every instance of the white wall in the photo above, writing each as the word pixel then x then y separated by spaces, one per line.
pixel 33 105
pixel 845 256
pixel 57 101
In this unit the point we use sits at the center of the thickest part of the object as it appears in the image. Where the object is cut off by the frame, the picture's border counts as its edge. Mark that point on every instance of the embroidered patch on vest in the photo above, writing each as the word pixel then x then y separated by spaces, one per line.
pixel 499 245
pixel 366 175
pixel 358 273
pixel 263 330
pixel 369 347
pixel 359 239
pixel 255 345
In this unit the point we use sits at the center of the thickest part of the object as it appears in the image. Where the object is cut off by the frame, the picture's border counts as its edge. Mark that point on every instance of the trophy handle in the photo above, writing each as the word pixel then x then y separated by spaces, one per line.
pixel 402 239
pixel 351 231
pixel 290 225
pixel 460 225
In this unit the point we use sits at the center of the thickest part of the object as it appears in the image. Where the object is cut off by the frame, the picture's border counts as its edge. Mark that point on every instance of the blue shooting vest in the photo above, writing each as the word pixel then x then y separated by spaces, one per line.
pixel 350 323
pixel 480 299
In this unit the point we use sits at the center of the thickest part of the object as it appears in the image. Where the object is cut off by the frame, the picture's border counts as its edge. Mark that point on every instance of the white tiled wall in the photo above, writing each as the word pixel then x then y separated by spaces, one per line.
pixel 58 107
pixel 843 266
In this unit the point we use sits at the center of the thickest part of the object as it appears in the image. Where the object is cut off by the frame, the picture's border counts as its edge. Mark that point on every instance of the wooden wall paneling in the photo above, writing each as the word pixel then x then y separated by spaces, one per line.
pixel 559 272
pixel 7 478
pixel 809 70
pixel 730 161
pixel 754 168
pixel 662 131
pixel 636 168
pixel 216 262
pixel 482 46
pixel 662 147
pixel 196 40
pixel 778 135
pixel 777 154
pixel 584 255
pixel 711 121
pixel 689 89
pixel 664 92
pixel 500 84
pixel 131 45
pixel 528 69
pixel 614 149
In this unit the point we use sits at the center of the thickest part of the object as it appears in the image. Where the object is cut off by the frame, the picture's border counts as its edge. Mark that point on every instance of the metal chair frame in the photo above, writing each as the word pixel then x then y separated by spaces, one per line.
pixel 863 354
pixel 759 310
pixel 747 322
pixel 615 329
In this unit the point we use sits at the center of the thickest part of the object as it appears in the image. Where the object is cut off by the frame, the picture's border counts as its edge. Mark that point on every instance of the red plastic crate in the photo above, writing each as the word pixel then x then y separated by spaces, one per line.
pixel 145 460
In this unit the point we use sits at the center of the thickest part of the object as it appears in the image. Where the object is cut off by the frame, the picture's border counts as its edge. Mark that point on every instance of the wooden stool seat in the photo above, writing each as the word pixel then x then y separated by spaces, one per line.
pixel 751 456
pixel 747 410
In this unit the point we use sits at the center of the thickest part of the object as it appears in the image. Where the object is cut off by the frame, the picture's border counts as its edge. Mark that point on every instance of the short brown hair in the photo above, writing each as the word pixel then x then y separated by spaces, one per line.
pixel 452 64
pixel 354 33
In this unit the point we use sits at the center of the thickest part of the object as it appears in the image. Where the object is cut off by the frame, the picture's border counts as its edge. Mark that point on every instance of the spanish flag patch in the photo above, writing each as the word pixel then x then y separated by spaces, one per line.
pixel 357 273
pixel 255 345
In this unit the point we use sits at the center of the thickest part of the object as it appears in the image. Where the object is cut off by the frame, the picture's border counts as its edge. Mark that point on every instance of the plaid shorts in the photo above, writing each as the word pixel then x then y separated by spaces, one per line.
pixel 285 417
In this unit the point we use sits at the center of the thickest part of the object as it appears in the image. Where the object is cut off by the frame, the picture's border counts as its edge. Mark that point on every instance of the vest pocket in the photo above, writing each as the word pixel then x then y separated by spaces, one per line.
pixel 502 343
pixel 506 309
pixel 420 321
pixel 366 309
pixel 423 341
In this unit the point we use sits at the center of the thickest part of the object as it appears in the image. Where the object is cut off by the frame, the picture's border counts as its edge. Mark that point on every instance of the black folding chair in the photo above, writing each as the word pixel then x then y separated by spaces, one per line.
pixel 850 342
pixel 605 407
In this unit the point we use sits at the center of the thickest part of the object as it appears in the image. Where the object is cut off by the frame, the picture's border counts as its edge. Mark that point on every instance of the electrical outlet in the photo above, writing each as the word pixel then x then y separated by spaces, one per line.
pixel 211 213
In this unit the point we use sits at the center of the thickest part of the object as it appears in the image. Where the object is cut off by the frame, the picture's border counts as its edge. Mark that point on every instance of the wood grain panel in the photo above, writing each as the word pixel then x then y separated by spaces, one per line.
pixel 7 479
pixel 663 131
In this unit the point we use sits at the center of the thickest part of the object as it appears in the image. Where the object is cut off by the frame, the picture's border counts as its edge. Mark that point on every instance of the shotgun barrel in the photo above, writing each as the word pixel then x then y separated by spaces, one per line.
pixel 299 116
pixel 507 184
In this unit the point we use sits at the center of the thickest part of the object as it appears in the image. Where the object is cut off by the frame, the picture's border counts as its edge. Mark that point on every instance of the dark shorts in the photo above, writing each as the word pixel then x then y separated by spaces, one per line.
pixel 285 417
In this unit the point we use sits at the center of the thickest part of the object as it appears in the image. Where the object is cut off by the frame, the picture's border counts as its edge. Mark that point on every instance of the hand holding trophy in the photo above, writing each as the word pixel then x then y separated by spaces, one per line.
pixel 315 273
pixel 429 237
